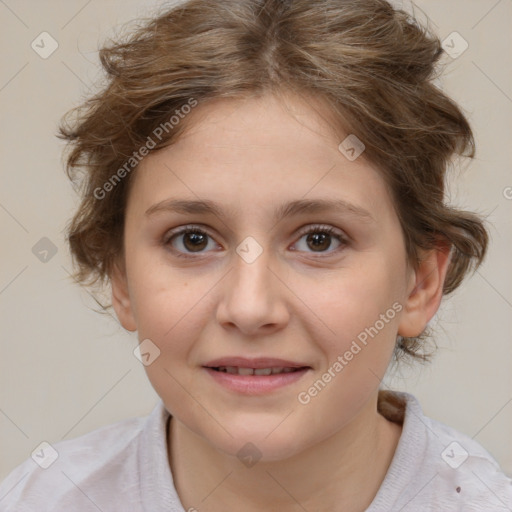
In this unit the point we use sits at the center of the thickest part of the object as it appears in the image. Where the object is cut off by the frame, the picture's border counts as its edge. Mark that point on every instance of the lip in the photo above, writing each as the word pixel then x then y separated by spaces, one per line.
pixel 258 362
pixel 255 384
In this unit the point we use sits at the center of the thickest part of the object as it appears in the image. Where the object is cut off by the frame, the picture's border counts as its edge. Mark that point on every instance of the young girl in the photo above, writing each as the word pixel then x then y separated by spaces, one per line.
pixel 264 192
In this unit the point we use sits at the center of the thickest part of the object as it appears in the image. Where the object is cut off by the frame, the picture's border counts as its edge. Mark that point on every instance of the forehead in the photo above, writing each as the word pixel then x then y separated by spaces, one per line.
pixel 257 152
pixel 269 121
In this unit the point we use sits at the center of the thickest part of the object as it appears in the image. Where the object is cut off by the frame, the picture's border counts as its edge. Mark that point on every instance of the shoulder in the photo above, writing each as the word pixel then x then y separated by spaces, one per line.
pixel 465 470
pixel 76 474
pixel 440 468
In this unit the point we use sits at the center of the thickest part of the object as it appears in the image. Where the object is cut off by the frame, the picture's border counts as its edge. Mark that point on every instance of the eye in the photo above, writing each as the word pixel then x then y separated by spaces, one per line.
pixel 188 240
pixel 192 239
pixel 319 238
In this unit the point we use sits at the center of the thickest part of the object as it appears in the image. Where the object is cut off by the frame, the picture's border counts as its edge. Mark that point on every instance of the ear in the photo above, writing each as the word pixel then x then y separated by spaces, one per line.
pixel 121 297
pixel 425 291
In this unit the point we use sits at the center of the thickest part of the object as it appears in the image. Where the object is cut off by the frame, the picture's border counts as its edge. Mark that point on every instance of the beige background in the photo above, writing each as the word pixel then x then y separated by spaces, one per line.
pixel 66 370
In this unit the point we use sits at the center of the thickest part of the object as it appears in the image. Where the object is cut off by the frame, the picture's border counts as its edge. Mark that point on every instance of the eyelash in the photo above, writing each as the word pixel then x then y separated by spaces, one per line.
pixel 328 230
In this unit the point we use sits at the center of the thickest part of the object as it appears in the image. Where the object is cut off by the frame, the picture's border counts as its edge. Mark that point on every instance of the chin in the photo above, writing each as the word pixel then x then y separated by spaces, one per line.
pixel 258 441
pixel 249 452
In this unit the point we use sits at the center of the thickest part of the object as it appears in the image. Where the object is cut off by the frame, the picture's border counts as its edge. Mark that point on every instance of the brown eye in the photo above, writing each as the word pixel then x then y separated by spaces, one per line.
pixel 190 240
pixel 194 241
pixel 187 240
pixel 320 239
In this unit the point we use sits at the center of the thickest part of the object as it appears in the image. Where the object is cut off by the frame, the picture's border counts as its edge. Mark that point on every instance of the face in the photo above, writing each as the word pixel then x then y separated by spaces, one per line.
pixel 230 295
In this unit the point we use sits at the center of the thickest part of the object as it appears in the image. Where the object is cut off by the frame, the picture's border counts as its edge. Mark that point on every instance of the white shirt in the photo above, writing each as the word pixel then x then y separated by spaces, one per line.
pixel 124 467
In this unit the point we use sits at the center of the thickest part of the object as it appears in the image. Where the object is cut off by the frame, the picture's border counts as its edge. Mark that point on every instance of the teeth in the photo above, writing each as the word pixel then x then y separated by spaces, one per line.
pixel 235 370
pixel 262 371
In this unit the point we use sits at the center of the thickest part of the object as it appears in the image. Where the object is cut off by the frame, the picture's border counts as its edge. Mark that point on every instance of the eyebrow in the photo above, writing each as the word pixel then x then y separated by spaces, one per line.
pixel 300 206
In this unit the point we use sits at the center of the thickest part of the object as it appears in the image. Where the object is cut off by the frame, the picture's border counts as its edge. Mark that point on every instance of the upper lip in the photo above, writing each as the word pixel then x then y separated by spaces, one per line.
pixel 259 362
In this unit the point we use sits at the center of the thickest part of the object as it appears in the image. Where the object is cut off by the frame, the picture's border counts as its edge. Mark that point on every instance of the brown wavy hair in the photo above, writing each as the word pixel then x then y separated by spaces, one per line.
pixel 372 65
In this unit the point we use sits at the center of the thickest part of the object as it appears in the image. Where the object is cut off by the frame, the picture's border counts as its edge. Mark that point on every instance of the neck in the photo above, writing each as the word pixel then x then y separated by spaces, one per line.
pixel 346 468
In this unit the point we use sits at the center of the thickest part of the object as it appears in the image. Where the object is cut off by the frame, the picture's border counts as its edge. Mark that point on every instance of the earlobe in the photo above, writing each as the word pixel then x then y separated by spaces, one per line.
pixel 121 298
pixel 427 291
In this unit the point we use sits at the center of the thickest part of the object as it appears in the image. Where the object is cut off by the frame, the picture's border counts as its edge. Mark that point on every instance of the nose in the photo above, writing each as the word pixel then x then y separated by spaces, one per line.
pixel 253 297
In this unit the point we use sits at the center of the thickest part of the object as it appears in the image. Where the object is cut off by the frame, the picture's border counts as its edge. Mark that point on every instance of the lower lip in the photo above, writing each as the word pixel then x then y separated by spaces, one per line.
pixel 256 384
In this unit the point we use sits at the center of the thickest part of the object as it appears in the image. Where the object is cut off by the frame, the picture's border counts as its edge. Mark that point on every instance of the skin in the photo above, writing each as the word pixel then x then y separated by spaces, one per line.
pixel 294 302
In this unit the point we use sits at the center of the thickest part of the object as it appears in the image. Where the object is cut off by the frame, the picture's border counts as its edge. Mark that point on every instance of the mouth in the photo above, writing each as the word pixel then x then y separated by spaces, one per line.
pixel 255 376
pixel 272 370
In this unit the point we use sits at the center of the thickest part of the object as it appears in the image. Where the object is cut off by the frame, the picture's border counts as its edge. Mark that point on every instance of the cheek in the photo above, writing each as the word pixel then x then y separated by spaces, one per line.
pixel 169 308
pixel 362 309
pixel 168 304
pixel 161 294
pixel 348 303
pixel 173 312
